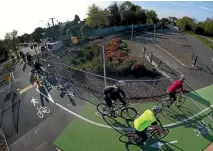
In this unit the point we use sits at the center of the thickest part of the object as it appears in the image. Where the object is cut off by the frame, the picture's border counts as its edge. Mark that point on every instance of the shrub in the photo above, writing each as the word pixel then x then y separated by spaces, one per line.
pixel 126 49
pixel 75 61
pixel 82 60
pixel 122 45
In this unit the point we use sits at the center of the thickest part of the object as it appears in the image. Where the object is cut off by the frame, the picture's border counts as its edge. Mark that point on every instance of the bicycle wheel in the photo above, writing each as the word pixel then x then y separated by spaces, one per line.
pixel 180 101
pixel 40 114
pixel 103 109
pixel 163 103
pixel 128 113
pixel 130 137
pixel 46 110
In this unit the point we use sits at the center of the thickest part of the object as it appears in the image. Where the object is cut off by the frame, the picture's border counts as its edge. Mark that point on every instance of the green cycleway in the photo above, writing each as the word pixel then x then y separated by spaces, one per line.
pixel 81 135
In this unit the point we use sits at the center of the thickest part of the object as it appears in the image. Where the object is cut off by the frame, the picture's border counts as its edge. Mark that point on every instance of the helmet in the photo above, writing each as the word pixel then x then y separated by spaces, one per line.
pixel 182 77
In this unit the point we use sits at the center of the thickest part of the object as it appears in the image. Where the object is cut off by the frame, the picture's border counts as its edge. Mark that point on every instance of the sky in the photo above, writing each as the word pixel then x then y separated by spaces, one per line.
pixel 26 15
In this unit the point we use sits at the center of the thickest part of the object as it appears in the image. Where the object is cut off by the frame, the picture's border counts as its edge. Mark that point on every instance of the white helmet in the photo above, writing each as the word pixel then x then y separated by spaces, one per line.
pixel 182 77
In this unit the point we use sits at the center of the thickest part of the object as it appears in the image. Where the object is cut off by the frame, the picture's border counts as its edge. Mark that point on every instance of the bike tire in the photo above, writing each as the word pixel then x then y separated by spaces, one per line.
pixel 47 110
pixel 130 137
pixel 41 115
pixel 163 103
pixel 180 101
pixel 130 111
pixel 103 109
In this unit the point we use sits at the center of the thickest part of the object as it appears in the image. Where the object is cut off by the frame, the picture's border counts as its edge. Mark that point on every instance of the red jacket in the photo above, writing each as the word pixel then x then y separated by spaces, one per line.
pixel 175 86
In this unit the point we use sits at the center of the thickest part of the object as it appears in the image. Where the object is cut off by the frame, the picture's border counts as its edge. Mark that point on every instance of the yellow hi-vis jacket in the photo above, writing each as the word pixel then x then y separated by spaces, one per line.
pixel 144 121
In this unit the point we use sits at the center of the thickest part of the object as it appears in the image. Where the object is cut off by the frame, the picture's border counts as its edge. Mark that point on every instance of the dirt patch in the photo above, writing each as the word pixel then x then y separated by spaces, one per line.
pixel 209 148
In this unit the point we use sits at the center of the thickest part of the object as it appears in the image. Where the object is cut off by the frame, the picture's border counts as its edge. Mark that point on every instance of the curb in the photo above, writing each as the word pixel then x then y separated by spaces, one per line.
pixel 169 54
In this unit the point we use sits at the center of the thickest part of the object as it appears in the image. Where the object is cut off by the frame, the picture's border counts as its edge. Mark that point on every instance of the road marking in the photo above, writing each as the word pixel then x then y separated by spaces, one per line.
pixel 34 101
pixel 113 127
pixel 26 89
pixel 160 144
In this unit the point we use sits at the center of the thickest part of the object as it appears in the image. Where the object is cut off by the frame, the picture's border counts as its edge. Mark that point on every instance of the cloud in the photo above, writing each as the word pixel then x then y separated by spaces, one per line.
pixel 205 8
pixel 179 4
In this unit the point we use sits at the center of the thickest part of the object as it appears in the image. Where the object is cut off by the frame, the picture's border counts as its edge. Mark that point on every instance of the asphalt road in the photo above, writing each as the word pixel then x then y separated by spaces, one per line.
pixel 195 78
pixel 35 132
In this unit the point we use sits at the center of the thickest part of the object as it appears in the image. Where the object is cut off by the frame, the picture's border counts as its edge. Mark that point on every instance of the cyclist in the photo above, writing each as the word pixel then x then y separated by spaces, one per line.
pixel 174 87
pixel 29 59
pixel 143 122
pixel 38 68
pixel 112 93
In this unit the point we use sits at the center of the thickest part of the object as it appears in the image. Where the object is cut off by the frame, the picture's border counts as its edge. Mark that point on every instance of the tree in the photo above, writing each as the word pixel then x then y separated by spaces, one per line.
pixel 37 34
pixel 114 15
pixel 11 41
pixel 77 18
pixel 127 11
pixel 208 26
pixel 186 23
pixel 97 18
pixel 3 49
pixel 151 15
pixel 172 19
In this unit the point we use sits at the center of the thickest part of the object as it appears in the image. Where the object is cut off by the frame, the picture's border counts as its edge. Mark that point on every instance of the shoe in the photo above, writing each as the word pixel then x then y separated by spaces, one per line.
pixel 113 115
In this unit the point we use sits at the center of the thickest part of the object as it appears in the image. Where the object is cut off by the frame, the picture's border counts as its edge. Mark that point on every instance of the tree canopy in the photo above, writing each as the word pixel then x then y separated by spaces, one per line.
pixel 97 17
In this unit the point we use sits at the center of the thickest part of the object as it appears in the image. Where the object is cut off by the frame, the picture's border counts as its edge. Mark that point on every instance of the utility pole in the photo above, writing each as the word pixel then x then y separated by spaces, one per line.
pixel 104 66
pixel 132 33
pixel 154 30
pixel 52 19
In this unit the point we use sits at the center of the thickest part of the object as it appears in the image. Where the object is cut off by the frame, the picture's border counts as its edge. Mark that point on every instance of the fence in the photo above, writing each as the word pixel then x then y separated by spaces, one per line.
pixel 9 112
pixel 10 115
pixel 134 89
pixel 3 142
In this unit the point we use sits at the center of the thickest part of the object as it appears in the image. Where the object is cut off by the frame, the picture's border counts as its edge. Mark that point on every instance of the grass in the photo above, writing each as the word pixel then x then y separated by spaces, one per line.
pixel 80 135
pixel 204 40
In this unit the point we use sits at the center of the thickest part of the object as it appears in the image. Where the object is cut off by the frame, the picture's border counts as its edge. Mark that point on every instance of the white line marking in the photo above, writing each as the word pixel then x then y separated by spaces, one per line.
pixel 34 101
pixel 118 128
pixel 160 144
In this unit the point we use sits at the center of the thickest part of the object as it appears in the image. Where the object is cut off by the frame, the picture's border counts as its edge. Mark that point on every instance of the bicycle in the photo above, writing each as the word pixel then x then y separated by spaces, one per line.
pixel 167 102
pixel 134 138
pixel 42 110
pixel 127 113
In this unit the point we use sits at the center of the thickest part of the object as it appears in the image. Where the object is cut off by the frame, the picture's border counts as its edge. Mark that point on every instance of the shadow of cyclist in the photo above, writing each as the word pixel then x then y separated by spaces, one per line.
pixel 116 125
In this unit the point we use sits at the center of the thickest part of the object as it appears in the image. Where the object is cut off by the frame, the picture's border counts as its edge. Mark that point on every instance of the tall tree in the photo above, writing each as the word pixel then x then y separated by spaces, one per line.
pixel 37 34
pixel 3 49
pixel 11 41
pixel 76 18
pixel 151 14
pixel 97 17
pixel 114 15
pixel 127 13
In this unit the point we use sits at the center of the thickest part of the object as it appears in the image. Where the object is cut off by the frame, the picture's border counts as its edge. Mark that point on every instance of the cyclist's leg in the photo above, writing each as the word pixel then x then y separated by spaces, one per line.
pixel 108 102
pixel 173 97
pixel 143 135
pixel 157 127
pixel 121 99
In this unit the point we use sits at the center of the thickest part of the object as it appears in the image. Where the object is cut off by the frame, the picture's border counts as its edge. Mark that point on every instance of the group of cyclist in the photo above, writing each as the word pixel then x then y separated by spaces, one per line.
pixel 27 58
pixel 148 118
